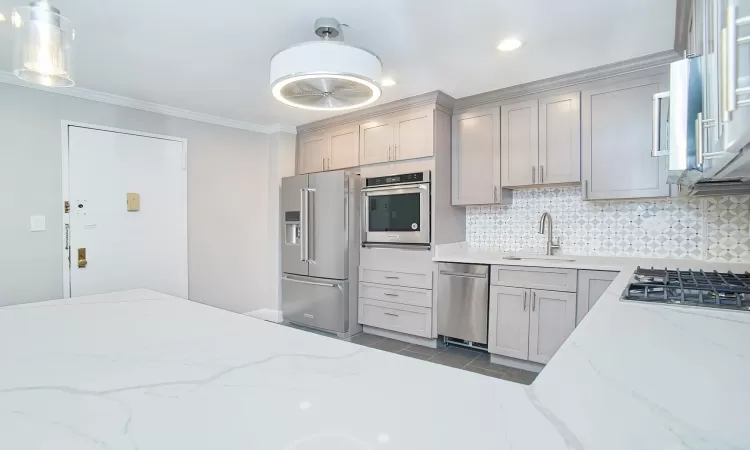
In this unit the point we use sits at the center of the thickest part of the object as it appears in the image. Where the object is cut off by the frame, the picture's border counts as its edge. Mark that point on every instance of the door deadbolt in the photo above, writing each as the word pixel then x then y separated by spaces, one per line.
pixel 82 258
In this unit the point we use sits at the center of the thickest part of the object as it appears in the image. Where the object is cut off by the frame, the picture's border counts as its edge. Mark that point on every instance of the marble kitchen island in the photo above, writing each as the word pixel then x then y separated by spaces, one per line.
pixel 143 370
pixel 641 376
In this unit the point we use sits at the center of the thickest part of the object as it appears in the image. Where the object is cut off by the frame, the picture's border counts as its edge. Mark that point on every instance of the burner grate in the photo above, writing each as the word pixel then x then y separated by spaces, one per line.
pixel 698 288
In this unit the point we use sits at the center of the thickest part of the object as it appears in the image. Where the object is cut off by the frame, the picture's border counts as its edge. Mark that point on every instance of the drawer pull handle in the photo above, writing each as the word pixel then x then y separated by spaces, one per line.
pixel 309 316
pixel 391 314
pixel 389 294
pixel 391 278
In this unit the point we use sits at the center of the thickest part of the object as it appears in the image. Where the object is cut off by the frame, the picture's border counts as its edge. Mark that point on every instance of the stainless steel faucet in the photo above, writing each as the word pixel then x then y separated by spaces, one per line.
pixel 551 245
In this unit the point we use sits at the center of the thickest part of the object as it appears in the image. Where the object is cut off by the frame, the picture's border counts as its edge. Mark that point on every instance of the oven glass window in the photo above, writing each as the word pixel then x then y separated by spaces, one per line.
pixel 394 212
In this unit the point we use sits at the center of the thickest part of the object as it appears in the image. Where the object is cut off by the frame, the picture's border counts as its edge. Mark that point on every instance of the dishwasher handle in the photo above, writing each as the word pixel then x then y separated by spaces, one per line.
pixel 463 275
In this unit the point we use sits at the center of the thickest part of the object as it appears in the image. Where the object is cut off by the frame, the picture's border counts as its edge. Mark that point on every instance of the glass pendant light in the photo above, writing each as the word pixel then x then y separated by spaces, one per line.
pixel 43 44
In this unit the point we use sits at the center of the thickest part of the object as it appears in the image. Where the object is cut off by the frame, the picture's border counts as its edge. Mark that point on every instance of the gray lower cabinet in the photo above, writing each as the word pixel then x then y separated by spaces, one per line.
pixel 552 319
pixel 509 322
pixel 617 139
pixel 529 324
pixel 591 286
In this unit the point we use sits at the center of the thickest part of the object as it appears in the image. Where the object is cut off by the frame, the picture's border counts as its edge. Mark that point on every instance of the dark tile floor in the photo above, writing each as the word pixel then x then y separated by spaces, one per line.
pixel 457 357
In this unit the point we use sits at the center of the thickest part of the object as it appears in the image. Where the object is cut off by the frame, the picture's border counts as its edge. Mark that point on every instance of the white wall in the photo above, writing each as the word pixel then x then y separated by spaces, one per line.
pixel 281 164
pixel 229 174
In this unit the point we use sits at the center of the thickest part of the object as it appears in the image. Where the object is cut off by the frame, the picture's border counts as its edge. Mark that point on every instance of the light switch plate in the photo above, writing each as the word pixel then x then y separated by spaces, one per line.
pixel 134 201
pixel 38 223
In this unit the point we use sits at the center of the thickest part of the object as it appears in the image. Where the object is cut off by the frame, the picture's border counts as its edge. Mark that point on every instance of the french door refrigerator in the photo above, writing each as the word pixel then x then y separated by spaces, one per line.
pixel 320 250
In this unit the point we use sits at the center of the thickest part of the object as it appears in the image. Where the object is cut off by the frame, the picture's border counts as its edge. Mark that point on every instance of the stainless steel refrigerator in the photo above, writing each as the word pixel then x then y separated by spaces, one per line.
pixel 320 250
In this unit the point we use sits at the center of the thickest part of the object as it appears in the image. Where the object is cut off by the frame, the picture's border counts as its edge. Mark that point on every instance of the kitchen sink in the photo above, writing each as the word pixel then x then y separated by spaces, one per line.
pixel 537 258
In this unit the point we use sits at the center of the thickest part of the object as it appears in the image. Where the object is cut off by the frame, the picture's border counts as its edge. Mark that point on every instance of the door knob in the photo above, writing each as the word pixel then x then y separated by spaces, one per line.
pixel 82 258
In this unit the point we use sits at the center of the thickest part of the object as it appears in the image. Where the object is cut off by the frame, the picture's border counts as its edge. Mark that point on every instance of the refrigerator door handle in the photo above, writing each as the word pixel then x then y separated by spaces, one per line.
pixel 309 249
pixel 303 223
pixel 314 283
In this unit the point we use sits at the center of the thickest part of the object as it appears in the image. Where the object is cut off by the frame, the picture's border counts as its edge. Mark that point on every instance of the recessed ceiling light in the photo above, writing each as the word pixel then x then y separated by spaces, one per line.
pixel 509 44
pixel 387 82
pixel 15 19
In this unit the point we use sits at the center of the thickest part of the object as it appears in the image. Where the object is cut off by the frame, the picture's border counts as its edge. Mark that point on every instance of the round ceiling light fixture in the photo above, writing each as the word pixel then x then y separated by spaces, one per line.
pixel 509 44
pixel 326 75
pixel 43 45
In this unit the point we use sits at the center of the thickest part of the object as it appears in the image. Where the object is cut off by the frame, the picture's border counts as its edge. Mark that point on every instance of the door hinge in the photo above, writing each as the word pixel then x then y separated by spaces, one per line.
pixel 66 206
pixel 67 237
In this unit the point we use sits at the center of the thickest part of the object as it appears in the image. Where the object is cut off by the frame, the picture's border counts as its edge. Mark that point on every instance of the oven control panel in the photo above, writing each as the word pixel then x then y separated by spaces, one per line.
pixel 416 177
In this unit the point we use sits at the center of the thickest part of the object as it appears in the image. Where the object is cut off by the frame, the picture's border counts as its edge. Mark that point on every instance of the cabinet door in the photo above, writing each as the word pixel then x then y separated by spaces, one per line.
pixel 344 148
pixel 736 131
pixel 476 157
pixel 519 150
pixel 560 139
pixel 509 322
pixel 553 318
pixel 375 141
pixel 616 147
pixel 414 135
pixel 312 153
pixel 591 286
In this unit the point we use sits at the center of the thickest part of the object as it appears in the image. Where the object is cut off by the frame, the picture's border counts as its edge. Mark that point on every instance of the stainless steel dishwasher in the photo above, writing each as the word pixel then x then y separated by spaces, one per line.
pixel 463 298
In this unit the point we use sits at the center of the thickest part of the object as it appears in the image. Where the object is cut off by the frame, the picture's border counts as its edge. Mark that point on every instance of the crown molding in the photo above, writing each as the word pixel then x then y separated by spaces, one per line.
pixel 103 97
pixel 567 80
pixel 439 99
pixel 281 128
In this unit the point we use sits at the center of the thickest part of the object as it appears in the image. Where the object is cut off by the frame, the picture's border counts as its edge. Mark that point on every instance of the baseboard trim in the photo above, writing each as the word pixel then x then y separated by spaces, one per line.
pixel 269 315
pixel 517 363
pixel 416 340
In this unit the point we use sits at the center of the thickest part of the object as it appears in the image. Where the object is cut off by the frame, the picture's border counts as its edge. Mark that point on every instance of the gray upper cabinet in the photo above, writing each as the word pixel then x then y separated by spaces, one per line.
pixel 616 148
pixel 591 286
pixel 376 141
pixel 552 319
pixel 519 137
pixel 560 139
pixel 476 157
pixel 343 147
pixel 414 135
pixel 541 141
pixel 332 149
pixel 397 137
pixel 312 153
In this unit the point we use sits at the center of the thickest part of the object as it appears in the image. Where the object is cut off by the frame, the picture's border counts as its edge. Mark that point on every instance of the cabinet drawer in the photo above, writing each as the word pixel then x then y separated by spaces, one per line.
pixel 406 296
pixel 416 280
pixel 535 278
pixel 393 316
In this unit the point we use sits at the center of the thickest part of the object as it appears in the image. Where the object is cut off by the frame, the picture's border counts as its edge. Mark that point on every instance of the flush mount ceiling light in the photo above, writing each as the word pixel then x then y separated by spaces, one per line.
pixel 42 50
pixel 509 44
pixel 326 75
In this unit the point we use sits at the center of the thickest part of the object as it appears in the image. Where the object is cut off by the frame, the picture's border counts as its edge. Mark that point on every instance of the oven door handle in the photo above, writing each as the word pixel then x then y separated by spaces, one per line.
pixel 395 187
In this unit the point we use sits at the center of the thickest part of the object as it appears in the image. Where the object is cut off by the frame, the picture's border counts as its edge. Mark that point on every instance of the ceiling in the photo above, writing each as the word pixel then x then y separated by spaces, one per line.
pixel 213 57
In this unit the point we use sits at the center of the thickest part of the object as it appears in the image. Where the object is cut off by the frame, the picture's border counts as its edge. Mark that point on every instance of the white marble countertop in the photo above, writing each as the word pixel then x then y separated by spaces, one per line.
pixel 641 376
pixel 462 252
pixel 142 370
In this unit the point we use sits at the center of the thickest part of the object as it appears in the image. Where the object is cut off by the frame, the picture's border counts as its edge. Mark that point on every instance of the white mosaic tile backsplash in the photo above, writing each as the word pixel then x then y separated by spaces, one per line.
pixel 712 228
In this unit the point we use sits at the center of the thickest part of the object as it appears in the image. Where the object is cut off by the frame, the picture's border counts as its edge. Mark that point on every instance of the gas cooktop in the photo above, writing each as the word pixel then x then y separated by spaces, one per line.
pixel 725 290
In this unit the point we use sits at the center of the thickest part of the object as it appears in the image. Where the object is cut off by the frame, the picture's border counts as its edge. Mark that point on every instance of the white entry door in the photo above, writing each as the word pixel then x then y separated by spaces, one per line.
pixel 126 249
